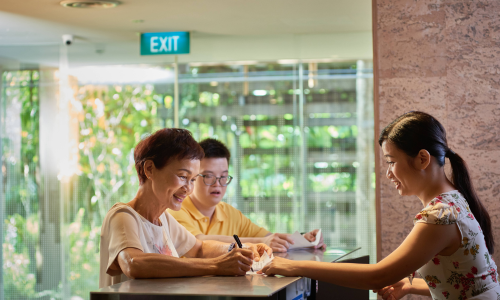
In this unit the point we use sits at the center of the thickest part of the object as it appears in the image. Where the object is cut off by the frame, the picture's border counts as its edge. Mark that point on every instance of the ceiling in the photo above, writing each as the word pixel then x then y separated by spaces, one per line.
pixel 41 23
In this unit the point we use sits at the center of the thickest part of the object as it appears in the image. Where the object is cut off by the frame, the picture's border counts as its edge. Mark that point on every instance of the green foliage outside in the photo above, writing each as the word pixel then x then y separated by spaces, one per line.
pixel 112 120
pixel 108 134
pixel 83 240
pixel 267 173
pixel 20 162
pixel 19 279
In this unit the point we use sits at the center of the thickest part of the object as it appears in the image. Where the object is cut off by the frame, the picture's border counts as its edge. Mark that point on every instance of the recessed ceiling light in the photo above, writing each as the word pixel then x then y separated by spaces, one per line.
pixel 90 3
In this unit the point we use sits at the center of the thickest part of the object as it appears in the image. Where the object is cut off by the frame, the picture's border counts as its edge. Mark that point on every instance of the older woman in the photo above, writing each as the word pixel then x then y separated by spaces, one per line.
pixel 139 239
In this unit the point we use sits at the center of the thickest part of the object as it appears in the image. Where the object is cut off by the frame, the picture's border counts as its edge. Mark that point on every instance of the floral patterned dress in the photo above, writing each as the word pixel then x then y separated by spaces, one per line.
pixel 470 272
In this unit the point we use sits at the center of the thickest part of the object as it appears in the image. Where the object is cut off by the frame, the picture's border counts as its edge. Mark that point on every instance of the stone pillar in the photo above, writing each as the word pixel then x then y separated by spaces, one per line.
pixel 440 57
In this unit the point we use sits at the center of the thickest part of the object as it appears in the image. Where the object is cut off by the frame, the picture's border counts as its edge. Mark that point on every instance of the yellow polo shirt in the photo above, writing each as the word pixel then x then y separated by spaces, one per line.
pixel 227 220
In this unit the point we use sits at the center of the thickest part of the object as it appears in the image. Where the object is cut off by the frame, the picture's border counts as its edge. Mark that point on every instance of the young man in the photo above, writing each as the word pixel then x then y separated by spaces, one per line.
pixel 208 218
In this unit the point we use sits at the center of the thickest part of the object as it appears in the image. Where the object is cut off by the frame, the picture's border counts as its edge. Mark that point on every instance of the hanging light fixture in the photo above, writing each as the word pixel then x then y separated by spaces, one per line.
pixel 90 3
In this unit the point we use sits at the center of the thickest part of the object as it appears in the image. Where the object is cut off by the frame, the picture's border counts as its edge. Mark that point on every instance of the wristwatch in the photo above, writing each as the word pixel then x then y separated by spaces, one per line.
pixel 231 247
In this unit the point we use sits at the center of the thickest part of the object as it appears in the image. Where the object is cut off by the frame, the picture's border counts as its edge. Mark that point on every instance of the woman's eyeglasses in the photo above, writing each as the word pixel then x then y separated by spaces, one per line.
pixel 211 179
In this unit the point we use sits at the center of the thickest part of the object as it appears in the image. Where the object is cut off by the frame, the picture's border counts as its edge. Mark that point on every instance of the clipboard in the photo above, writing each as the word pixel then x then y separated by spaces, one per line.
pixel 342 256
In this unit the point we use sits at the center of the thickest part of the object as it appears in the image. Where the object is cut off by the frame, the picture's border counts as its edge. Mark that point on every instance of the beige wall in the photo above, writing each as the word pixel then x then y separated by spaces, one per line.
pixel 206 48
pixel 442 57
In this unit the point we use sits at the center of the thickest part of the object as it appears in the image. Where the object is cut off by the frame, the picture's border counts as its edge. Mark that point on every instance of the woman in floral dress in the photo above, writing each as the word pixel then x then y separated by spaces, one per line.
pixel 451 243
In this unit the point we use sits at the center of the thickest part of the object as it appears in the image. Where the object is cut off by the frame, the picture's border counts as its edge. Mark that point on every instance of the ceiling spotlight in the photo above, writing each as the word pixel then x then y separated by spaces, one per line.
pixel 90 3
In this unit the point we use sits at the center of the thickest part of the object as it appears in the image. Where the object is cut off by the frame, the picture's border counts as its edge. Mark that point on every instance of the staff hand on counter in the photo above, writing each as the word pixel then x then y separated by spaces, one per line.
pixel 280 266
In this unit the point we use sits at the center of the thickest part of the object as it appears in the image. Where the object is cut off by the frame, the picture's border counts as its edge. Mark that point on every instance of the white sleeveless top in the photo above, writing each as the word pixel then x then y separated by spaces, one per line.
pixel 124 228
pixel 470 272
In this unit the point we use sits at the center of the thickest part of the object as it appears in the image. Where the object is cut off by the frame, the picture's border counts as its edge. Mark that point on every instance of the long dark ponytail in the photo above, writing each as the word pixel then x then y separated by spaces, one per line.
pixel 417 130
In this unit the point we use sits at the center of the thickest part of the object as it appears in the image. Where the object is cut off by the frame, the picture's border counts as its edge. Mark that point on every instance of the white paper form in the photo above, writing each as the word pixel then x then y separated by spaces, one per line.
pixel 258 265
pixel 301 242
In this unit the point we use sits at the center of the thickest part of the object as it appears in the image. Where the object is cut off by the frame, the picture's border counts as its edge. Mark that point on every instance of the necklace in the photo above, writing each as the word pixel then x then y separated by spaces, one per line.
pixel 157 222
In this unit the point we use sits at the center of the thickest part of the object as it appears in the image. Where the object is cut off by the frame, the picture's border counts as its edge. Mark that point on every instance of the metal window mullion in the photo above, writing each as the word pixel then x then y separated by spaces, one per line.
pixel 2 194
pixel 295 154
pixel 303 148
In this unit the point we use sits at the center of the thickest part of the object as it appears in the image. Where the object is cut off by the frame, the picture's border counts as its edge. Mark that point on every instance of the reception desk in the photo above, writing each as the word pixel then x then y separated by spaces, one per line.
pixel 241 287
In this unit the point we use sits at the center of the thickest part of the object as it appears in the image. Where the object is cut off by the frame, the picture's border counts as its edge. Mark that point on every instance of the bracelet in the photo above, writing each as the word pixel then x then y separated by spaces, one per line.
pixel 231 247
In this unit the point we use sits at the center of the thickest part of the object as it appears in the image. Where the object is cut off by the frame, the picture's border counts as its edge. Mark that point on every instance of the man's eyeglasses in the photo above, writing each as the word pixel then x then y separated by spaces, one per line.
pixel 211 179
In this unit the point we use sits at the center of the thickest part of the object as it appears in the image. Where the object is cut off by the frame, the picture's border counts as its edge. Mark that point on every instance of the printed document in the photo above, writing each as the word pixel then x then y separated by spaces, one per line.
pixel 258 265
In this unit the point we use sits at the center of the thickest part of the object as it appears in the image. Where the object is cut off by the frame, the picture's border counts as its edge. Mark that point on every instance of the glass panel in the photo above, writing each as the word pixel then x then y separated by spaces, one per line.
pixel 20 167
pixel 301 137
pixel 112 118
pixel 299 159
pixel 253 109
pixel 31 252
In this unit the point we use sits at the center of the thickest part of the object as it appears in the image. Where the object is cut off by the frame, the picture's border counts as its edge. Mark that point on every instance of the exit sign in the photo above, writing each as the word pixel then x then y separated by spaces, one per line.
pixel 161 43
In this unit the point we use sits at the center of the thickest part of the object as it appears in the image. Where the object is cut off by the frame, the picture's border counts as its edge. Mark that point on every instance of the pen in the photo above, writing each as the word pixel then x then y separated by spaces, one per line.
pixel 237 239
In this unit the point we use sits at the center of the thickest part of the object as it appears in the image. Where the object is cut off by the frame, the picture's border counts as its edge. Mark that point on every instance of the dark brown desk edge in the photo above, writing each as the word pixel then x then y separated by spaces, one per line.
pixel 326 289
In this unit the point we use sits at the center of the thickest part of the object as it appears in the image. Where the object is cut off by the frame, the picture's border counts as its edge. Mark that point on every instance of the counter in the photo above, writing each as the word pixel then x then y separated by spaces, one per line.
pixel 227 287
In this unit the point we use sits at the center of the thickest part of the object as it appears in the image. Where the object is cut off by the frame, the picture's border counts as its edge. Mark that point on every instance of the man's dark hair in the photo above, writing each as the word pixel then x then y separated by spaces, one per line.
pixel 215 149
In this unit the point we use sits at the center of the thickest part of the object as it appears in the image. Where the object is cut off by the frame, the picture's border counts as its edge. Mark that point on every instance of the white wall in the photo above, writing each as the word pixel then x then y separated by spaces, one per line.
pixel 206 48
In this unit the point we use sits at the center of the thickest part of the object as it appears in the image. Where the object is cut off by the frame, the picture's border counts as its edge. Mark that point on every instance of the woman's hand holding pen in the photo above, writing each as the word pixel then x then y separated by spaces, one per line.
pixel 236 262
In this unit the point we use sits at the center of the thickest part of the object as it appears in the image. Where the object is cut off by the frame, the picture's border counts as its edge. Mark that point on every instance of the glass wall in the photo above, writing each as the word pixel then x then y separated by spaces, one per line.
pixel 293 129
pixel 300 133
pixel 20 184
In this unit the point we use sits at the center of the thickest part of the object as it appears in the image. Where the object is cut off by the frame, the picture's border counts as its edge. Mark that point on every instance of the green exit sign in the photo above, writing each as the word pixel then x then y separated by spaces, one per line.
pixel 161 43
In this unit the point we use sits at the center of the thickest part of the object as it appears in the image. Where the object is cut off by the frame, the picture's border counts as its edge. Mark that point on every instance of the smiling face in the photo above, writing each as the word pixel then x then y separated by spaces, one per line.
pixel 401 170
pixel 174 182
pixel 211 195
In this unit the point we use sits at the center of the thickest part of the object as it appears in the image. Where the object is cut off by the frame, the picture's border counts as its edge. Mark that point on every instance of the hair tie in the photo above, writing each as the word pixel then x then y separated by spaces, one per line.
pixel 450 152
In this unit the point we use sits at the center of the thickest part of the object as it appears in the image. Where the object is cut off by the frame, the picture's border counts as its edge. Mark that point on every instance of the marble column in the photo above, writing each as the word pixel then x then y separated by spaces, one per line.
pixel 441 57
